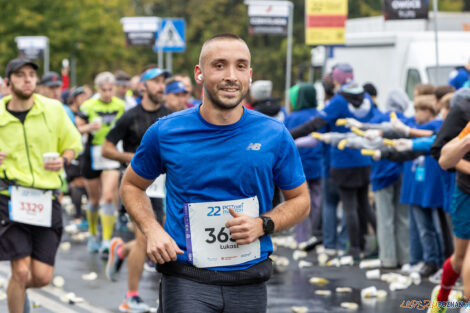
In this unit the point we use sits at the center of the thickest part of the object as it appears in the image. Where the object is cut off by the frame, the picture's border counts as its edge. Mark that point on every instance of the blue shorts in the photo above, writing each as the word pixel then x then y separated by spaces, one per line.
pixel 460 213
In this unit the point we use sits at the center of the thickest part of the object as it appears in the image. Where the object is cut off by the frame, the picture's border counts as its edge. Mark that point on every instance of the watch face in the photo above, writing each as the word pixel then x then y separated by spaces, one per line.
pixel 269 226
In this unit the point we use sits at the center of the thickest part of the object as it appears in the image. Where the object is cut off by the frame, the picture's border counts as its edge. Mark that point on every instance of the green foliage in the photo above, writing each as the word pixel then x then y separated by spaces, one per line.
pixel 91 31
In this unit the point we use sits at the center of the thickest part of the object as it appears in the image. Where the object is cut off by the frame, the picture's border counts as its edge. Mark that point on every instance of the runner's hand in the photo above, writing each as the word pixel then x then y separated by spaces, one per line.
pixel 244 228
pixel 3 155
pixel 93 126
pixel 55 165
pixel 161 247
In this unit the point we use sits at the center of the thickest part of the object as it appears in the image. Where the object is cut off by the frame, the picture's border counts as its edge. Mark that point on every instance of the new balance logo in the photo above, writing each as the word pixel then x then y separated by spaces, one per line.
pixel 254 146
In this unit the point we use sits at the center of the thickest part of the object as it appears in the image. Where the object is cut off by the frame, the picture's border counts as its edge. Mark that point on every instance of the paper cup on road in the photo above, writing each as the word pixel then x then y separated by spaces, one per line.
pixel 369 292
pixel 322 259
pixel 346 260
pixel 369 264
pixel 58 282
pixel 50 156
pixel 323 292
pixel 415 278
pixel 90 276
pixel 299 309
pixel 373 274
pixel 351 306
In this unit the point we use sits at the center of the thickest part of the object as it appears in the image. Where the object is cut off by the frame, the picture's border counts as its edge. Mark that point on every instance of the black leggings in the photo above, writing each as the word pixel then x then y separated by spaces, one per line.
pixel 357 213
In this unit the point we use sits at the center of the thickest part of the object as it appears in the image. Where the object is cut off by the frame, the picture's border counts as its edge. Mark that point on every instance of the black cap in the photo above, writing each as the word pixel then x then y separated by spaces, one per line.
pixel 51 79
pixel 16 64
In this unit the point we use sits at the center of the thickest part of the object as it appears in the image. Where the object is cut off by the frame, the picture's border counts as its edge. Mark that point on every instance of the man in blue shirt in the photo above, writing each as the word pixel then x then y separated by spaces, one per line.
pixel 221 161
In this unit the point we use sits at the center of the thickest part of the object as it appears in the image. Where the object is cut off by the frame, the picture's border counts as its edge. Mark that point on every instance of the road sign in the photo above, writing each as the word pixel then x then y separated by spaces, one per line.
pixel 172 36
pixel 268 17
pixel 32 47
pixel 406 9
pixel 325 21
pixel 140 30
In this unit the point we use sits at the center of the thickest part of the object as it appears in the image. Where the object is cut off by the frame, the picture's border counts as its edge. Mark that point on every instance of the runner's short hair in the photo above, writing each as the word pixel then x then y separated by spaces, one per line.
pixel 222 36
pixel 104 78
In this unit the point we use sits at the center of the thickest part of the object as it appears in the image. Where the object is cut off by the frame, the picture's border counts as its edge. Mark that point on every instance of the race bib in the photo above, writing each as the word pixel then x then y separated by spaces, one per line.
pixel 98 162
pixel 208 241
pixel 157 188
pixel 31 206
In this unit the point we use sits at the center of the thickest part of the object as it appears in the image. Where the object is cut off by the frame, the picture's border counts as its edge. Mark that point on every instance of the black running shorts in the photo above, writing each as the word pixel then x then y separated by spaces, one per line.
pixel 18 240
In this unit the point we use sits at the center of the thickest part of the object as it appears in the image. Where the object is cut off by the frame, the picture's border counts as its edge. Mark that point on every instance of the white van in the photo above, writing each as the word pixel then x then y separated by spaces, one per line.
pixel 399 54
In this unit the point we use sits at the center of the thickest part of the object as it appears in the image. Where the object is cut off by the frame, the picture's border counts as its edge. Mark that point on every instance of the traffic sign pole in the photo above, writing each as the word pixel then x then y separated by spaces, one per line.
pixel 289 56
pixel 169 61
pixel 46 57
pixel 160 57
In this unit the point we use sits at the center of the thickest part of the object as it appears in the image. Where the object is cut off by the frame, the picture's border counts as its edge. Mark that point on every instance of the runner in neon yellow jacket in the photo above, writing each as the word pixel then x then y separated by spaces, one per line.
pixel 30 215
pixel 46 129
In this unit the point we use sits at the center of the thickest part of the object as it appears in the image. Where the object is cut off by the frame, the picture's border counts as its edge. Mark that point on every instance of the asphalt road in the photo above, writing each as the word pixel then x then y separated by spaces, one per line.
pixel 286 289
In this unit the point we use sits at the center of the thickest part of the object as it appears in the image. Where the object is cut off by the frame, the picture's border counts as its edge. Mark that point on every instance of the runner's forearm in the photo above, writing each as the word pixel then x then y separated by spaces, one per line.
pixel 137 203
pixel 69 154
pixel 294 210
pixel 453 152
pixel 463 167
pixel 109 151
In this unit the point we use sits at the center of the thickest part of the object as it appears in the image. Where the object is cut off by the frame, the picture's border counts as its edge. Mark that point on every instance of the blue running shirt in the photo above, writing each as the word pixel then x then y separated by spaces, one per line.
pixel 208 163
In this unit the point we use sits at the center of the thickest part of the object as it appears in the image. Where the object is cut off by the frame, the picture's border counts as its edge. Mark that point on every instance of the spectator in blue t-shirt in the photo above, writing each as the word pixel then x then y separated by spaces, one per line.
pixel 305 109
pixel 460 76
pixel 423 191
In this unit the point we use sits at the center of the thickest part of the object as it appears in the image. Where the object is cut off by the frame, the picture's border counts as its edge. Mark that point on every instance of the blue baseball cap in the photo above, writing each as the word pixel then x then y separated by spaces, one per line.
pixel 154 72
pixel 175 87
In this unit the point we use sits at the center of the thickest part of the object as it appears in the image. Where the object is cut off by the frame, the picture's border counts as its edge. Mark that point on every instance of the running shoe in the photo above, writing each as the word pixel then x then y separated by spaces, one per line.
pixel 149 266
pixel 436 278
pixel 310 244
pixel 104 249
pixel 93 244
pixel 122 221
pixel 114 262
pixel 134 305
pixel 408 268
pixel 435 307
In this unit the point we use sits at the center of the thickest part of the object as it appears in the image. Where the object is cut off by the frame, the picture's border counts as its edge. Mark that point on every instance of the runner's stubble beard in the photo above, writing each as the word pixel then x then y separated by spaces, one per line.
pixel 20 94
pixel 222 105
pixel 156 99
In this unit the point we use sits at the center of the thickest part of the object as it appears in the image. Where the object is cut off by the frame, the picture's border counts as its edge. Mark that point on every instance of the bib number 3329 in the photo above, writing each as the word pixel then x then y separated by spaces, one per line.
pixel 31 206
pixel 208 241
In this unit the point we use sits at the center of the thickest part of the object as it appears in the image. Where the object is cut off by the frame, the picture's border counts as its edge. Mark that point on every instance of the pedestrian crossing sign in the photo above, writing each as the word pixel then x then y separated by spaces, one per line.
pixel 171 36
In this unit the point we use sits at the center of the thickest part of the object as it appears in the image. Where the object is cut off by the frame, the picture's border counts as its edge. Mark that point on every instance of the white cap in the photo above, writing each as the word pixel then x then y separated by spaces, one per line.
pixel 261 90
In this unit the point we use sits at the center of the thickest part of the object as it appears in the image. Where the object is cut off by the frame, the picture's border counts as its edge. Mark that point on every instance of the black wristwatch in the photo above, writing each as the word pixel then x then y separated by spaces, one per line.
pixel 268 225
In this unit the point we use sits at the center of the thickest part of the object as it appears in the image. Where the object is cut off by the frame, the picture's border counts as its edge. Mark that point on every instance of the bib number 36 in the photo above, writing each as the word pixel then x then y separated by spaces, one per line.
pixel 222 235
